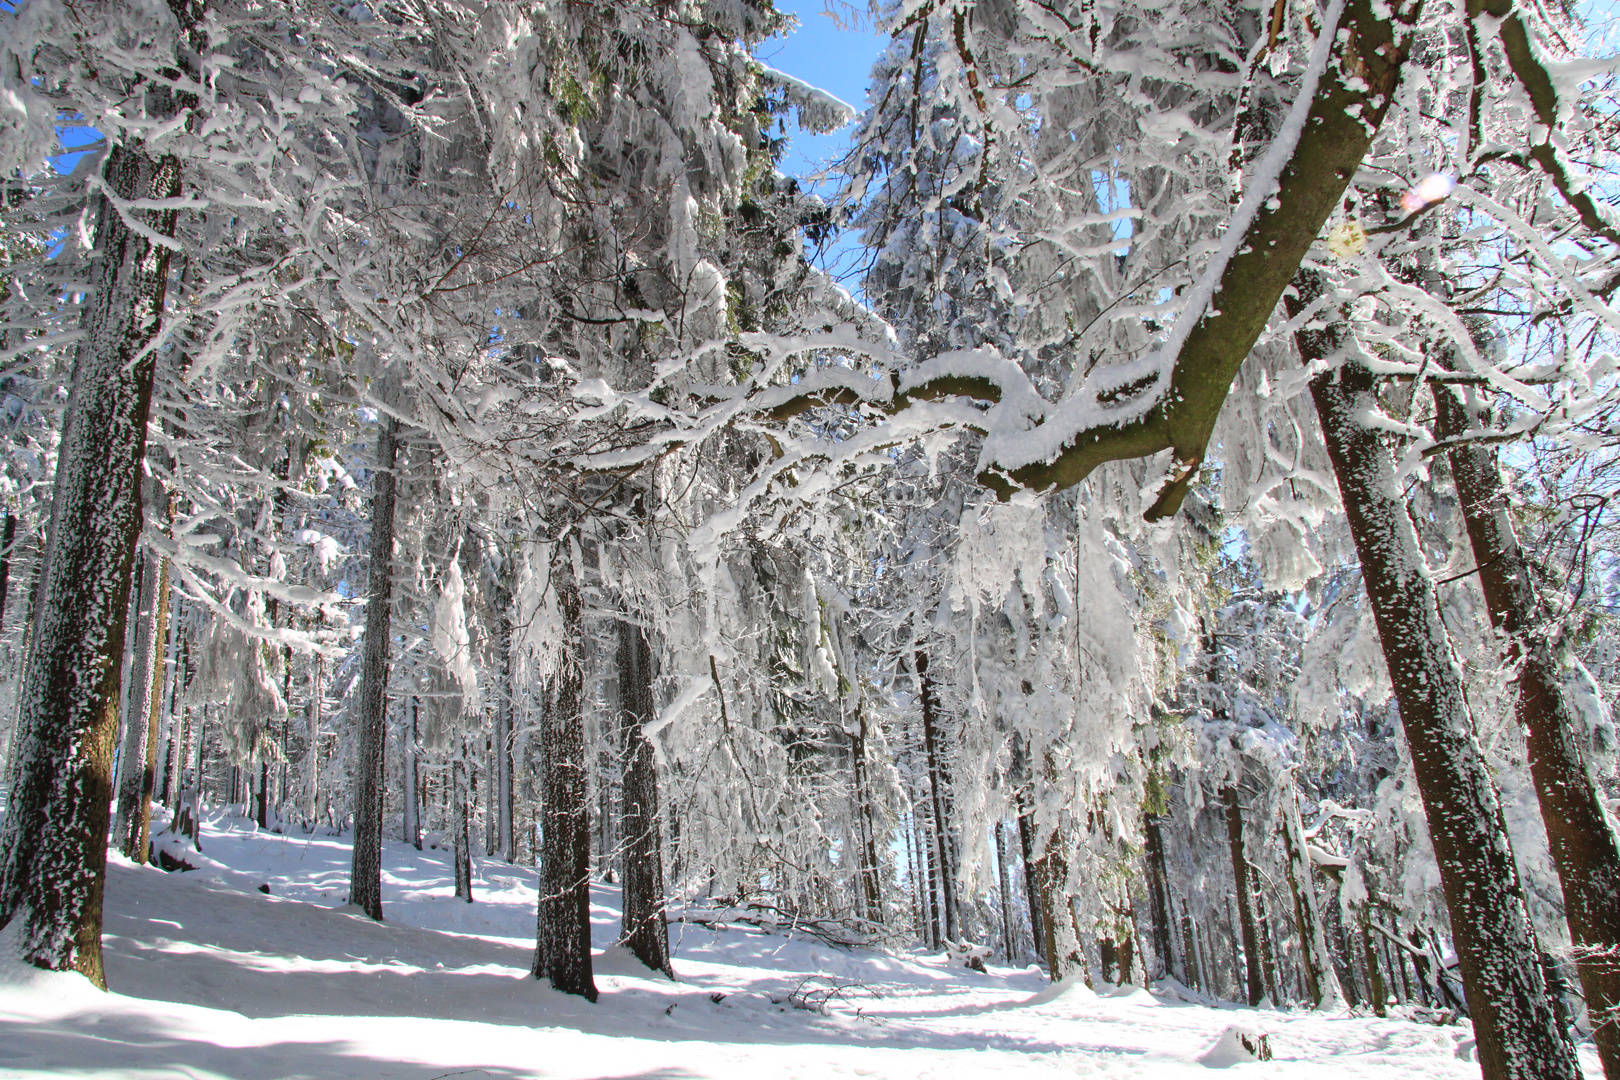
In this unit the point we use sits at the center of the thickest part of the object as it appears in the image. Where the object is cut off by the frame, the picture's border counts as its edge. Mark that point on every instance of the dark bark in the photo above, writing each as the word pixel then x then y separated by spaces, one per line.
pixel 501 793
pixel 563 935
pixel 1321 982
pixel 870 866
pixel 139 709
pixel 1517 1030
pixel 1245 895
pixel 1158 890
pixel 54 850
pixel 1032 894
pixel 8 542
pixel 937 784
pixel 365 873
pixel 461 848
pixel 645 931
pixel 1375 977
pixel 141 826
pixel 1583 845
pixel 411 814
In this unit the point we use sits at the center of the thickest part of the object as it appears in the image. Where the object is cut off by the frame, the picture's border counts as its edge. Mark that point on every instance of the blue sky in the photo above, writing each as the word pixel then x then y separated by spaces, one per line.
pixel 839 62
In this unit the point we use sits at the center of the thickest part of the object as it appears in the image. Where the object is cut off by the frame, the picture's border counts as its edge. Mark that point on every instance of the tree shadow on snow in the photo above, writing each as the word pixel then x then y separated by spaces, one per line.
pixel 118 1044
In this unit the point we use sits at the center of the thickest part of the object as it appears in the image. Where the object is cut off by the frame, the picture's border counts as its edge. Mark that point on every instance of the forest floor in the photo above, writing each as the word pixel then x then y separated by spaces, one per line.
pixel 212 977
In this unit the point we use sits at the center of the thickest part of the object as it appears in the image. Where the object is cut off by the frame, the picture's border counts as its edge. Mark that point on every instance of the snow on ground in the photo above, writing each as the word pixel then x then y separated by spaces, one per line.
pixel 212 978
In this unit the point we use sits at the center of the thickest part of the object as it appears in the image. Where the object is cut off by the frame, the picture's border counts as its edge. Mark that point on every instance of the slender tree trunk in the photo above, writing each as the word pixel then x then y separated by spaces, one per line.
pixel 1191 970
pixel 870 868
pixel 139 709
pixel 1518 1033
pixel 312 717
pixel 937 783
pixel 1009 940
pixel 563 938
pixel 8 541
pixel 1245 895
pixel 502 793
pixel 1032 892
pixel 1584 846
pixel 645 932
pixel 460 796
pixel 365 874
pixel 141 826
pixel 1158 890
pixel 53 852
pixel 411 815
pixel 1321 981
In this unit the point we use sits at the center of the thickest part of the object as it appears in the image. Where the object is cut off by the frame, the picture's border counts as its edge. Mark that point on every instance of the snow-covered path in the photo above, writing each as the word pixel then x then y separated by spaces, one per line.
pixel 213 978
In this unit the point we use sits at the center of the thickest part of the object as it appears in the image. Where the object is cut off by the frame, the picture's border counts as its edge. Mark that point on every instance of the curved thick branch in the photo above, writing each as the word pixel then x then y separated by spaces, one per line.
pixel 1350 101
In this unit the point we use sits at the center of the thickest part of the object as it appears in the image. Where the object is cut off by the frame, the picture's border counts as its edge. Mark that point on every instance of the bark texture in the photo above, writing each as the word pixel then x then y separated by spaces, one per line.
pixel 1321 981
pixel 1245 895
pixel 138 706
pixel 646 934
pixel 563 933
pixel 1584 846
pixel 1518 1032
pixel 365 872
pixel 53 854
pixel 937 784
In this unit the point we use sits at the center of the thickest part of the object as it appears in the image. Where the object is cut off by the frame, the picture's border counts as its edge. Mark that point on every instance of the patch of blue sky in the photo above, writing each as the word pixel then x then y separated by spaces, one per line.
pixel 837 59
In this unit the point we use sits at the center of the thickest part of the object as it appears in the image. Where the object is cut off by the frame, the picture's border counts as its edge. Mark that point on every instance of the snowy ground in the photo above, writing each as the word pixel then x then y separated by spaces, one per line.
pixel 213 978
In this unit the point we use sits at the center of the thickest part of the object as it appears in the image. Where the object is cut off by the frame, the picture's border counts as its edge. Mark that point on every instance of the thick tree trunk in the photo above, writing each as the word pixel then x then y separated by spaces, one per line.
pixel 1518 1033
pixel 365 873
pixel 54 850
pixel 1245 895
pixel 1584 846
pixel 645 932
pixel 1321 981
pixel 563 935
pixel 937 784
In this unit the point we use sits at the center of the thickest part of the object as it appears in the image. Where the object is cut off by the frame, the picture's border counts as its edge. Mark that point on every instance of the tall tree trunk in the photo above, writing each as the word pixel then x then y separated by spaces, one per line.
pixel 870 868
pixel 1158 891
pixel 644 930
pixel 1009 941
pixel 53 854
pixel 1375 976
pixel 1321 981
pixel 461 846
pixel 139 709
pixel 937 784
pixel 1518 1032
pixel 141 826
pixel 1032 892
pixel 504 704
pixel 365 873
pixel 563 935
pixel 1052 874
pixel 8 542
pixel 1584 846
pixel 1245 894
pixel 411 813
